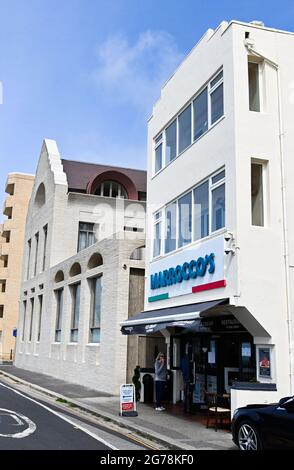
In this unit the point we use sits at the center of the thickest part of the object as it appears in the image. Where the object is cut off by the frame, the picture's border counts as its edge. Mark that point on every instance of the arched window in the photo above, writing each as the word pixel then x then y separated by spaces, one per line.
pixel 111 189
pixel 95 261
pixel 75 269
pixel 59 276
pixel 40 197
pixel 138 253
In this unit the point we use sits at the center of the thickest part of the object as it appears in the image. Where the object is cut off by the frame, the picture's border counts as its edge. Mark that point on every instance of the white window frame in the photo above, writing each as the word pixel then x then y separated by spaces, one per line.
pixel 162 216
pixel 40 299
pixel 265 193
pixel 156 221
pixel 157 141
pixel 210 90
pixel 261 84
pixel 59 313
pixel 212 187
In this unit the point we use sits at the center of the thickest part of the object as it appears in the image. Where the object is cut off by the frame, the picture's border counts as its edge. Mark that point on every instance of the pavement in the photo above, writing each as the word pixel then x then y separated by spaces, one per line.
pixel 165 428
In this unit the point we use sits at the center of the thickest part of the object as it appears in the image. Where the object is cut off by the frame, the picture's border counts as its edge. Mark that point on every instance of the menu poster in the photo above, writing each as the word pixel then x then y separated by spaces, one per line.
pixel 264 362
pixel 199 387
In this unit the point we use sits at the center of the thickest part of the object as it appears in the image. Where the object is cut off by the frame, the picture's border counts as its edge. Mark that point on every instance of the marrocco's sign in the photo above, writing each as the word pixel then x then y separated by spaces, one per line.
pixel 193 269
pixel 184 272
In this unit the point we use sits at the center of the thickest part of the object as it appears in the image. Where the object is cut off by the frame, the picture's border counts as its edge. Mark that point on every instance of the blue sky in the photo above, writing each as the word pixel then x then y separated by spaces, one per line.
pixel 86 72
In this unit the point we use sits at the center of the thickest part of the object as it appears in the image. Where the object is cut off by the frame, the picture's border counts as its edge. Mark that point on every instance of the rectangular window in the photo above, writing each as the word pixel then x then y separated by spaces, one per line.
pixel 40 317
pixel 200 109
pixel 157 235
pixel 217 103
pixel 96 290
pixel 171 142
pixel 45 233
pixel 185 131
pixel 29 258
pixel 253 86
pixel 86 235
pixel 36 253
pixel 202 112
pixel 158 153
pixel 32 319
pixel 257 204
pixel 59 310
pixel 218 208
pixel 171 227
pixel 76 292
pixel 201 211
pixel 193 216
pixel 24 320
pixel 1 311
pixel 185 219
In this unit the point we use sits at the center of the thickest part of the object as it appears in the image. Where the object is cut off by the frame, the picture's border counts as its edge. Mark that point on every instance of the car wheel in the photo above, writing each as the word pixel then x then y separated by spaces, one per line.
pixel 248 437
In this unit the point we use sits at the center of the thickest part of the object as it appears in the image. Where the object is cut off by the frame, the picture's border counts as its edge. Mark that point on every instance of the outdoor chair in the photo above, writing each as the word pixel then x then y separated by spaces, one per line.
pixel 218 409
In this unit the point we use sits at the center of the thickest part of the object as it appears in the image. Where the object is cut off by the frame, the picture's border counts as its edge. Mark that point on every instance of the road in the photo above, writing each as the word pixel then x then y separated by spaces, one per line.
pixel 30 423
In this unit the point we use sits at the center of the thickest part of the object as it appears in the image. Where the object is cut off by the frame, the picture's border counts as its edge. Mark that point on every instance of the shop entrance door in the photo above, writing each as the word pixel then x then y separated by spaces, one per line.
pixel 214 362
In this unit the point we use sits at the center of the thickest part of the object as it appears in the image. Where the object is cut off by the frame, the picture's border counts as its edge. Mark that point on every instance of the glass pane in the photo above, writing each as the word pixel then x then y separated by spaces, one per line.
pixel 218 177
pixel 171 142
pixel 97 303
pixel 106 188
pixel 24 320
pixel 200 114
pixel 123 193
pixel 57 336
pixel 158 158
pixel 86 226
pixel 257 195
pixel 218 208
pixel 76 312
pixel 158 139
pixel 201 211
pixel 253 83
pixel 74 336
pixel 185 129
pixel 91 239
pixel 170 241
pixel 157 240
pixel 59 309
pixel 217 104
pixel 115 188
pixel 216 79
pixel 185 219
pixel 32 319
pixel 95 335
pixel 82 240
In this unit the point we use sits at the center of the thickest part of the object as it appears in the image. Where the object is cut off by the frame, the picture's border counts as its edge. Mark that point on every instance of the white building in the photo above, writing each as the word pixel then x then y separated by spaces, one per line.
pixel 220 187
pixel 83 271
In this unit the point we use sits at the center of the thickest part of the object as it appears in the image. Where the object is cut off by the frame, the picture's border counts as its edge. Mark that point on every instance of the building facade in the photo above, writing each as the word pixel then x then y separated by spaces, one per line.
pixel 84 260
pixel 219 280
pixel 18 188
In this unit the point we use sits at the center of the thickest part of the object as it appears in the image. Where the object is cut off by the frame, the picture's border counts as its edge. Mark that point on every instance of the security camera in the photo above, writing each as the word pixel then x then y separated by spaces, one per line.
pixel 227 252
pixel 228 236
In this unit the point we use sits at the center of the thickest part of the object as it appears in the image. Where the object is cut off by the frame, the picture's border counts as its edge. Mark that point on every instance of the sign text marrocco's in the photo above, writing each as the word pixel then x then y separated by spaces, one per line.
pixel 184 272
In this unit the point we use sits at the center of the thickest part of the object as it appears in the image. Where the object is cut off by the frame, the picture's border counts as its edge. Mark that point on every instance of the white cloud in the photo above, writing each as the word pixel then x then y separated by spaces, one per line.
pixel 135 73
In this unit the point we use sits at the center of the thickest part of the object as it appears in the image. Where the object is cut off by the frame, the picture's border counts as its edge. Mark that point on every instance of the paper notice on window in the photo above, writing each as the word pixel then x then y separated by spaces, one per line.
pixel 211 357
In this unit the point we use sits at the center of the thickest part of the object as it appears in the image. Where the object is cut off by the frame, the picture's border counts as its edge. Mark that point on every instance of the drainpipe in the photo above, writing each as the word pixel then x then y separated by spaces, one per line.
pixel 250 47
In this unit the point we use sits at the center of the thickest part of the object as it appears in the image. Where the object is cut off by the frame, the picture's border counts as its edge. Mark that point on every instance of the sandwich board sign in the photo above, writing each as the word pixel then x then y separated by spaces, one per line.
pixel 127 400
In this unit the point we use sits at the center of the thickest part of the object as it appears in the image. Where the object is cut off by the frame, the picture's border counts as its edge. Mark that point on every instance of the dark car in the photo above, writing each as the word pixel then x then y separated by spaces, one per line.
pixel 257 427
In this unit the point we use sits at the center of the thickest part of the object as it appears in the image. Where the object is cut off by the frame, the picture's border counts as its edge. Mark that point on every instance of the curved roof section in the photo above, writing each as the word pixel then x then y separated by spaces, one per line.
pixel 79 174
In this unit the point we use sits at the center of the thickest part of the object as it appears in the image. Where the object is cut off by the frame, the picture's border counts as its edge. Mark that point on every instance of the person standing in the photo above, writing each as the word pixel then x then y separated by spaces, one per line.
pixel 160 380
